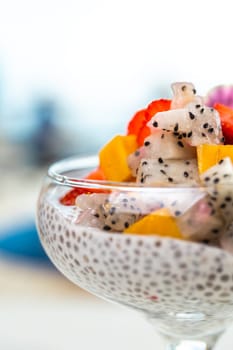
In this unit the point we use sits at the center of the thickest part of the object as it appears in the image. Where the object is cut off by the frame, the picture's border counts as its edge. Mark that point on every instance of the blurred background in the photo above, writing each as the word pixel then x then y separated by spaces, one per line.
pixel 72 73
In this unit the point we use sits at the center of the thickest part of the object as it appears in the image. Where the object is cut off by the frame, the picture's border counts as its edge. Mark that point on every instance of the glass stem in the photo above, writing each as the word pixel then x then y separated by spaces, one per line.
pixel 188 345
pixel 205 344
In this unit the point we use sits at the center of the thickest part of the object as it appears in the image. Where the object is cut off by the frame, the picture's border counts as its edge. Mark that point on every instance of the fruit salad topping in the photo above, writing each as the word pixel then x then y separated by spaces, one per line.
pixel 178 142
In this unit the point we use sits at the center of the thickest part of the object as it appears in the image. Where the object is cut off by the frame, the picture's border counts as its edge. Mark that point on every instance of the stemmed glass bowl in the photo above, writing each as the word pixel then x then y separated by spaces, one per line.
pixel 185 289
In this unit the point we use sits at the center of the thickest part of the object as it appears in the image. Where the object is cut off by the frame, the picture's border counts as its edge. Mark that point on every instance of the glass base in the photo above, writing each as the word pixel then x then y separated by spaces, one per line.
pixel 189 345
pixel 186 330
pixel 207 343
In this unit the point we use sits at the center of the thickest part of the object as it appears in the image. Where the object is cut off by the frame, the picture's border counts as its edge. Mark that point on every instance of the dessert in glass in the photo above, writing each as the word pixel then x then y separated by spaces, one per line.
pixel 147 222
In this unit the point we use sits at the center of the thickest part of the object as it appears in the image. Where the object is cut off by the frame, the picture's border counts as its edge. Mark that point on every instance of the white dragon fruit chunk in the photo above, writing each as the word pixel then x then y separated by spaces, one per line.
pixel 184 93
pixel 90 201
pixel 160 144
pixel 114 211
pixel 91 209
pixel 90 217
pixel 196 124
pixel 200 223
pixel 120 212
pixel 219 184
pixel 171 171
pixel 124 209
pixel 182 199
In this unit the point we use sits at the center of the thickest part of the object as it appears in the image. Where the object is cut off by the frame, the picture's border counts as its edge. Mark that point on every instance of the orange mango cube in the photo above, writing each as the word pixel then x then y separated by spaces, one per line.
pixel 209 155
pixel 160 222
pixel 113 157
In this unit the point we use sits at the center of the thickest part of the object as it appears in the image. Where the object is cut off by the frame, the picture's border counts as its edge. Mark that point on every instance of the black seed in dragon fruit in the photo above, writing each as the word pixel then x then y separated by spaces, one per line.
pixel 196 124
pixel 171 171
pixel 163 145
pixel 184 93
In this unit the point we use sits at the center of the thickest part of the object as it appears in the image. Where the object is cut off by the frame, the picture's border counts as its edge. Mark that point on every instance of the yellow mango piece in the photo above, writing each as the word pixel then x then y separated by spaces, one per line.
pixel 160 222
pixel 209 155
pixel 113 157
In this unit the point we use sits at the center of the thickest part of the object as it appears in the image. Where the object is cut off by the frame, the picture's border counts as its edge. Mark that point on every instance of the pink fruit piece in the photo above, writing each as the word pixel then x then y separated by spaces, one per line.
pixel 222 94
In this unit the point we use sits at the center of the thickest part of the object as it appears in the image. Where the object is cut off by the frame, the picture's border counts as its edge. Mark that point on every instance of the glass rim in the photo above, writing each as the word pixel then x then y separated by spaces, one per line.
pixel 78 163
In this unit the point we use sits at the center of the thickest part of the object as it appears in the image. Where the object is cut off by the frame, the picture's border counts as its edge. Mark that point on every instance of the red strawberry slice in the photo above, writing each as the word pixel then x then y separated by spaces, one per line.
pixel 144 132
pixel 138 124
pixel 226 116
pixel 70 197
pixel 156 106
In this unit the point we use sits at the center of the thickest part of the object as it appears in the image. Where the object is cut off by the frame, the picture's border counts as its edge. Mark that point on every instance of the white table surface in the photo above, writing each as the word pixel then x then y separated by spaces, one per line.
pixel 40 310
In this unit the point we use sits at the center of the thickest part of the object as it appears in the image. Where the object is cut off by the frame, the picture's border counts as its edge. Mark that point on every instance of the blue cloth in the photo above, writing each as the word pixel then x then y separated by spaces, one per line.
pixel 22 241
